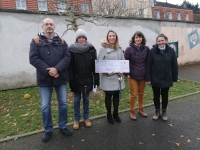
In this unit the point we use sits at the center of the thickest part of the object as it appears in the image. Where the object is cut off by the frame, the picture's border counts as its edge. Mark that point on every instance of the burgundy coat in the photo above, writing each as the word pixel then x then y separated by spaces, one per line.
pixel 137 57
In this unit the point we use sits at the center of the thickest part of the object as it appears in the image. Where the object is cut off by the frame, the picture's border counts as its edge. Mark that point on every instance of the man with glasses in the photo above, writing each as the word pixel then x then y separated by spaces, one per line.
pixel 50 56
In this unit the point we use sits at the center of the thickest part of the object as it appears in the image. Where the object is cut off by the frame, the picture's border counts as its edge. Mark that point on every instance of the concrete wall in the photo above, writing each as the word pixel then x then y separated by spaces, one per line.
pixel 17 30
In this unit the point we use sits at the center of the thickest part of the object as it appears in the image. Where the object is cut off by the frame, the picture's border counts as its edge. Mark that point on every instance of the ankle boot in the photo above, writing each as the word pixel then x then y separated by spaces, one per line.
pixel 116 116
pixel 142 113
pixel 157 114
pixel 164 115
pixel 132 115
pixel 109 118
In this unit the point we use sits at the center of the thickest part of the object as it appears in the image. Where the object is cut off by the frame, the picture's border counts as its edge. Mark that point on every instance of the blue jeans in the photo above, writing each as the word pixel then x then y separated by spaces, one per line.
pixel 77 99
pixel 45 96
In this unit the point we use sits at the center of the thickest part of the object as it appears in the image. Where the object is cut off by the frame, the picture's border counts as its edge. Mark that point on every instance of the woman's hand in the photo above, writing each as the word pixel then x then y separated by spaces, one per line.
pixel 148 83
pixel 128 76
pixel 120 74
pixel 110 74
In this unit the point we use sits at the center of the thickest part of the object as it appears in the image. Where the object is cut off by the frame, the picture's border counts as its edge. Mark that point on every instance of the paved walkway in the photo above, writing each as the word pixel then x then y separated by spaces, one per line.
pixel 181 131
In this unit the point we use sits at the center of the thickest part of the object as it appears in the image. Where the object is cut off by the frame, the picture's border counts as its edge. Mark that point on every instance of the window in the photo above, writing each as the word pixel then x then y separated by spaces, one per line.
pixel 186 17
pixel 157 14
pixel 104 9
pixel 123 3
pixel 169 15
pixel 21 4
pixel 84 8
pixel 140 12
pixel 178 16
pixel 42 5
pixel 61 6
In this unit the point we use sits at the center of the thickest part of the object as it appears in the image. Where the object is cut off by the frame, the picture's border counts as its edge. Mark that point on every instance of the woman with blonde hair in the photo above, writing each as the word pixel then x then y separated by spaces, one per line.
pixel 109 82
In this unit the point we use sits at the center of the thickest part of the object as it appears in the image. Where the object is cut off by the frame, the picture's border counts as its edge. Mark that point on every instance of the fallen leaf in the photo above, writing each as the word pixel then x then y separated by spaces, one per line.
pixel 171 125
pixel 16 138
pixel 82 140
pixel 153 134
pixel 188 141
pixel 25 114
pixel 198 139
pixel 14 124
pixel 73 146
pixel 178 144
pixel 181 136
pixel 141 143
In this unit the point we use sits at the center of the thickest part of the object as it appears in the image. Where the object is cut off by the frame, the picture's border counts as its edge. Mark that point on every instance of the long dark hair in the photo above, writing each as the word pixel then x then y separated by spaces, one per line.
pixel 140 34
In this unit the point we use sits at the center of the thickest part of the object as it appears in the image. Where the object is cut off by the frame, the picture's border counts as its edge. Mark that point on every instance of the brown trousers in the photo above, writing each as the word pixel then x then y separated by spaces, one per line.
pixel 136 90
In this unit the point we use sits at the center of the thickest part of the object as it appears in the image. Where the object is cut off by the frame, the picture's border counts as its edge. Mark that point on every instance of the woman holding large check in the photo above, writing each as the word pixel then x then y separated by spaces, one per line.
pixel 113 82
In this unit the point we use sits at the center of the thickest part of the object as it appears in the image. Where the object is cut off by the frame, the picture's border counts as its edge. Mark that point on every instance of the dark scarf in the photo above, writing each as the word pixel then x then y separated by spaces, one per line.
pixel 78 48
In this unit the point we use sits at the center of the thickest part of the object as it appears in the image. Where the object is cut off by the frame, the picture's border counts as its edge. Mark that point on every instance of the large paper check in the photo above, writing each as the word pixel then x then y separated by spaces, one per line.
pixel 107 66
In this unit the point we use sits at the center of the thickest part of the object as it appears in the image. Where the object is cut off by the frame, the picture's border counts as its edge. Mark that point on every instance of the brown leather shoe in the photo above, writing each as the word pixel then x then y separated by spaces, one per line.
pixel 132 115
pixel 88 123
pixel 142 113
pixel 76 125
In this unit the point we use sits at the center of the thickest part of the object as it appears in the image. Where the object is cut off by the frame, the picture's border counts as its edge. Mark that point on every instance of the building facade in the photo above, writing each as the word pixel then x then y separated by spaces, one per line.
pixel 83 6
pixel 130 8
pixel 164 10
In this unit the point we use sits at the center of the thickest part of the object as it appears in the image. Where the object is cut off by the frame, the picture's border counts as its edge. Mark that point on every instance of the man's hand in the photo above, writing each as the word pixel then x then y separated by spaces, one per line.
pixel 57 75
pixel 53 72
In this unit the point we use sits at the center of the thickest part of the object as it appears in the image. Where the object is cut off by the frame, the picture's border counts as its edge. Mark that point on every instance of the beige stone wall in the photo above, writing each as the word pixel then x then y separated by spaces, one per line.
pixel 189 42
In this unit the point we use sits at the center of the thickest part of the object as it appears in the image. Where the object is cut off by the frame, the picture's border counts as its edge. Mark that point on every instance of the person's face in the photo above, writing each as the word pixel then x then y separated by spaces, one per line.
pixel 138 40
pixel 111 37
pixel 48 26
pixel 81 40
pixel 161 41
pixel 193 38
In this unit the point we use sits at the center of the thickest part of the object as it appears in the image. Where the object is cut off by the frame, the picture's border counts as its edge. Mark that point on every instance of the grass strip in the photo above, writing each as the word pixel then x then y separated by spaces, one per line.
pixel 20 115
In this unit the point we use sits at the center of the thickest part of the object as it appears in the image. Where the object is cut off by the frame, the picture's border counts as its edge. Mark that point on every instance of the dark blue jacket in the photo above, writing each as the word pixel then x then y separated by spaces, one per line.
pixel 137 57
pixel 50 53
pixel 162 67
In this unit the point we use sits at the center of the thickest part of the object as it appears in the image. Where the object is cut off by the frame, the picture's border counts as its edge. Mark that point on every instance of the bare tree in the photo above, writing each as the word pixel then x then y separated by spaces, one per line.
pixel 130 8
pixel 78 13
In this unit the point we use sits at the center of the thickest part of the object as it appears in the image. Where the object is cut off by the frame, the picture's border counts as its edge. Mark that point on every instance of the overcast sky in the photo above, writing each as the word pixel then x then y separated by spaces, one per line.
pixel 179 1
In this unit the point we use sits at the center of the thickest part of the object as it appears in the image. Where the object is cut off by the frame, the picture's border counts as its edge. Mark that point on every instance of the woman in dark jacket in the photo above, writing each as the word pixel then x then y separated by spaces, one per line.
pixel 162 71
pixel 137 54
pixel 82 75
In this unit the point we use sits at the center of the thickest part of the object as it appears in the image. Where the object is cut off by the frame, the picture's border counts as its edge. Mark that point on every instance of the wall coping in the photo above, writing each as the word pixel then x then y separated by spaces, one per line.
pixel 87 15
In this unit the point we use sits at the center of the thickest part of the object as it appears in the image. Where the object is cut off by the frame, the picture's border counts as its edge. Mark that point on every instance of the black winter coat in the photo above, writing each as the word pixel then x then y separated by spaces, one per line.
pixel 82 71
pixel 162 67
pixel 46 54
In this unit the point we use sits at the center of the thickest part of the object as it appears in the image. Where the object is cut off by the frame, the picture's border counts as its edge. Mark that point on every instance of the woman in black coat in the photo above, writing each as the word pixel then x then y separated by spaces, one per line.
pixel 162 71
pixel 82 75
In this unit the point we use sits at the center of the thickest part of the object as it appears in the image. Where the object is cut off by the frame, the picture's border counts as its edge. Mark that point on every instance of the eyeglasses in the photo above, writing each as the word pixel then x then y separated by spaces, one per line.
pixel 48 24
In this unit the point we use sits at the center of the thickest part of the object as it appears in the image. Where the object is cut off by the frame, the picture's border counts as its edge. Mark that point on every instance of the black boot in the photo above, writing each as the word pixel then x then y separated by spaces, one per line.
pixel 116 116
pixel 109 118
